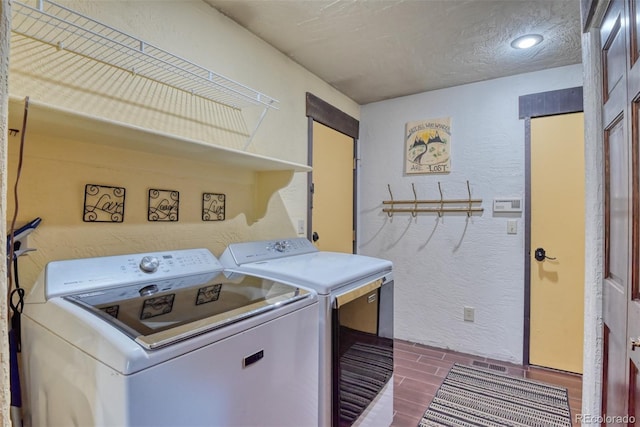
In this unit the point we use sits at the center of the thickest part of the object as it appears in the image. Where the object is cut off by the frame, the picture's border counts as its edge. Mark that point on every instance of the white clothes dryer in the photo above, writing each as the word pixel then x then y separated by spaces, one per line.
pixel 355 328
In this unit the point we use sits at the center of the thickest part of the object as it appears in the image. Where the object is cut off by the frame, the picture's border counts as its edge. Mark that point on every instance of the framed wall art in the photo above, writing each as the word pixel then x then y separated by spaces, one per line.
pixel 428 146
pixel 163 205
pixel 103 203
pixel 213 206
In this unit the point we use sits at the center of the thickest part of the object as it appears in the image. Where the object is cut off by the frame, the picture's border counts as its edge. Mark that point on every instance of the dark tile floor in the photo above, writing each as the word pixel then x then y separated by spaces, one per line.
pixel 419 371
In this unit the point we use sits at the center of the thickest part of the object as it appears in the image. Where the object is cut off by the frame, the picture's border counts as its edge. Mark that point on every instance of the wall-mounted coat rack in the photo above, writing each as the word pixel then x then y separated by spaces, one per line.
pixel 445 205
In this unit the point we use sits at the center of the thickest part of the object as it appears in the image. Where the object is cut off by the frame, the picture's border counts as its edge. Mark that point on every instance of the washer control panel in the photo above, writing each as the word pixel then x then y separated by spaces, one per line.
pixel 242 253
pixel 89 274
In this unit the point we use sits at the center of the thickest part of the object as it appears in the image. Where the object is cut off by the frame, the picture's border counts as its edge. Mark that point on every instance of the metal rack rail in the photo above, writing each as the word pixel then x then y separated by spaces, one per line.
pixel 452 205
pixel 66 29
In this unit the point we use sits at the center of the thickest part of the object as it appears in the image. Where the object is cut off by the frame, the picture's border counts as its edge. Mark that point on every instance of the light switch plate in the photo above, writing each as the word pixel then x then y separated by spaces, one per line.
pixel 469 314
pixel 512 226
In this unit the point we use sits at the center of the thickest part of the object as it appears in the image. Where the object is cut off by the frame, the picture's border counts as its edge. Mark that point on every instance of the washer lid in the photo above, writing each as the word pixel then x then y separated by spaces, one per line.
pixel 321 271
pixel 163 312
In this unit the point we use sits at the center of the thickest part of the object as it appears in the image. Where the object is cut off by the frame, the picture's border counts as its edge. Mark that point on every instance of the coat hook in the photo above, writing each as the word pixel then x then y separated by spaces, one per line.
pixel 441 200
pixel 390 211
pixel 469 191
pixel 414 212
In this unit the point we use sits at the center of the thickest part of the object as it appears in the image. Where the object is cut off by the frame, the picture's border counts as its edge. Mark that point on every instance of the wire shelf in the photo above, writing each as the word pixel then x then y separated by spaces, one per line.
pixel 66 29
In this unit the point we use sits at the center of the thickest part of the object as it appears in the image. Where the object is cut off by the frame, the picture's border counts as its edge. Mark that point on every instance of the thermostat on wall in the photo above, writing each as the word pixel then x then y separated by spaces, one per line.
pixel 507 205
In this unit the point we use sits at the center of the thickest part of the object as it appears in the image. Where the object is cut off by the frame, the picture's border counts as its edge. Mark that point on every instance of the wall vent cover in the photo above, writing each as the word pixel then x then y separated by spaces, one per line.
pixel 489 366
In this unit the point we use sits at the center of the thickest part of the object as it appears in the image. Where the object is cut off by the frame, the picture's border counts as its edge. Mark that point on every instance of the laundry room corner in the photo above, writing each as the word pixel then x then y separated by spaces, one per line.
pixel 154 136
pixel 453 261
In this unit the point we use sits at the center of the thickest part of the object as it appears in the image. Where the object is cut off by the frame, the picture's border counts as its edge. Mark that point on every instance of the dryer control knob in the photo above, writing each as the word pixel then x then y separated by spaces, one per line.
pixel 149 264
pixel 281 246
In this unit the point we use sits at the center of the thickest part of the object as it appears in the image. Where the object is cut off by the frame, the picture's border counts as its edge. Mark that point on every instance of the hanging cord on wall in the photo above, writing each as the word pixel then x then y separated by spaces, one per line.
pixel 16 303
pixel 15 295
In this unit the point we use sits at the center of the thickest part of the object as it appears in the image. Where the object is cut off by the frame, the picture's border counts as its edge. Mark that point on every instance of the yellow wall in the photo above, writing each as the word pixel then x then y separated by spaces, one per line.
pixel 54 176
pixel 56 169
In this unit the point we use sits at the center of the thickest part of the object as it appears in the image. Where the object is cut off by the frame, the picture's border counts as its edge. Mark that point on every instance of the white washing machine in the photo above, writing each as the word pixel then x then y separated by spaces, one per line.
pixel 355 328
pixel 165 339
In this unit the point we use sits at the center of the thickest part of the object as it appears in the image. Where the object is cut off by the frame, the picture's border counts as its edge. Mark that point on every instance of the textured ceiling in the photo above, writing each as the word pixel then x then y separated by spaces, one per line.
pixel 372 50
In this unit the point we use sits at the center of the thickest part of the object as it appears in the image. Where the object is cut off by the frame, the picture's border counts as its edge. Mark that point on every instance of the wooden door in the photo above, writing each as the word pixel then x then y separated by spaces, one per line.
pixel 633 295
pixel 333 192
pixel 621 296
pixel 557 227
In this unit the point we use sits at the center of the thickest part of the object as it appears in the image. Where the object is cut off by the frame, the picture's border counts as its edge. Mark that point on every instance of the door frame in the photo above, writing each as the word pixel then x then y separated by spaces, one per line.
pixel 326 114
pixel 543 104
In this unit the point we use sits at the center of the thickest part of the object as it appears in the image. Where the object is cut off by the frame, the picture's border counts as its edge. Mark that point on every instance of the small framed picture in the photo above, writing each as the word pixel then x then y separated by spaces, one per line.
pixel 213 206
pixel 428 146
pixel 103 203
pixel 163 205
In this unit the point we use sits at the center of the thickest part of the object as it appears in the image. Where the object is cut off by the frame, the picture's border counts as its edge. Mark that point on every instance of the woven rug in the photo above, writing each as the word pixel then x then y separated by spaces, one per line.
pixel 478 397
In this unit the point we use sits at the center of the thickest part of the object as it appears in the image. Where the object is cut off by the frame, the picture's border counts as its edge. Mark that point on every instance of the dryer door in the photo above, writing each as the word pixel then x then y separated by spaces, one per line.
pixel 362 348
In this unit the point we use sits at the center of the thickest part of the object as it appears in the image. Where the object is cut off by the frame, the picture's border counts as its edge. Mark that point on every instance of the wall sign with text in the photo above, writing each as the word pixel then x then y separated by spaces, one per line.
pixel 163 205
pixel 427 146
pixel 213 206
pixel 103 203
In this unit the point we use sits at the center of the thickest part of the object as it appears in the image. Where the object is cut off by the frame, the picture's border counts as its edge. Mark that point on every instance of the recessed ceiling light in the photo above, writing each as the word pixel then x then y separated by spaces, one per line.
pixel 525 42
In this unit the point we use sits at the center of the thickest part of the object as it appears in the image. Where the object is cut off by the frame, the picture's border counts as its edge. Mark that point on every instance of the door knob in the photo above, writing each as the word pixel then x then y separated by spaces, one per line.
pixel 315 236
pixel 635 342
pixel 540 255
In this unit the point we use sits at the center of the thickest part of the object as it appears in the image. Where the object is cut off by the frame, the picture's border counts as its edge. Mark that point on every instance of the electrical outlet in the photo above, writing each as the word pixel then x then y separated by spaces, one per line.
pixel 301 226
pixel 469 314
